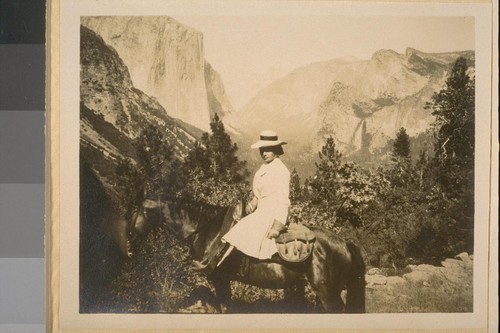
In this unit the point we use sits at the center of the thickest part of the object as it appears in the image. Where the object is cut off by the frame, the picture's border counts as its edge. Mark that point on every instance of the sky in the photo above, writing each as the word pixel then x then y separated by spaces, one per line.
pixel 249 52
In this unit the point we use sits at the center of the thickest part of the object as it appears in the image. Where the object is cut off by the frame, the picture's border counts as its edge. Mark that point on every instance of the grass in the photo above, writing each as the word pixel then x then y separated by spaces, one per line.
pixel 436 295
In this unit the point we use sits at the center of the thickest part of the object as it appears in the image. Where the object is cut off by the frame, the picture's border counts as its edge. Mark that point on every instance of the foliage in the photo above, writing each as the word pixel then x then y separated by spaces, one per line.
pixel 215 174
pixel 398 212
pixel 155 156
pixel 295 187
pixel 156 279
pixel 130 186
pixel 427 212
pixel 339 191
pixel 401 147
pixel 454 109
pixel 392 227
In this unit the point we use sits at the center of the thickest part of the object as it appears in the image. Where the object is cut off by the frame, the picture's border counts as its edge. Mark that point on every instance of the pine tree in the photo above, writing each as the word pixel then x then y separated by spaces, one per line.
pixel 340 191
pixel 214 172
pixel 221 152
pixel 453 163
pixel 155 156
pixel 454 109
pixel 401 147
pixel 324 183
pixel 401 172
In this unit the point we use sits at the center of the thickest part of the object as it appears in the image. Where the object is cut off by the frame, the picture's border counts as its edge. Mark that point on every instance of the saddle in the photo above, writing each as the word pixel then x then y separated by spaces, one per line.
pixel 296 243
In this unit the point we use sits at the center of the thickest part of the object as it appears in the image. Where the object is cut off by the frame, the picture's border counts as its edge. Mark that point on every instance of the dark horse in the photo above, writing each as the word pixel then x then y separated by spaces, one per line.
pixel 334 265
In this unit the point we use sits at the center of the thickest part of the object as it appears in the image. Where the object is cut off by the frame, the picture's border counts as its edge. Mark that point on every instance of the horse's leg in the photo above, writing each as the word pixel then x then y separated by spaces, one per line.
pixel 329 297
pixel 295 297
pixel 222 285
pixel 355 302
pixel 325 283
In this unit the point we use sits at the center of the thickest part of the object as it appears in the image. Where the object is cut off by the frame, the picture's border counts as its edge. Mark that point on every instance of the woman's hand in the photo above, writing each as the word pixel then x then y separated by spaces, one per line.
pixel 273 234
pixel 276 229
pixel 251 206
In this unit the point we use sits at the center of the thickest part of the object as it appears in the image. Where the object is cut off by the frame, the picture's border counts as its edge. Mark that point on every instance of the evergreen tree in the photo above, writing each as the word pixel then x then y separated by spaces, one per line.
pixel 401 172
pixel 155 156
pixel 340 191
pixel 454 109
pixel 401 147
pixel 324 183
pixel 295 187
pixel 221 152
pixel 214 172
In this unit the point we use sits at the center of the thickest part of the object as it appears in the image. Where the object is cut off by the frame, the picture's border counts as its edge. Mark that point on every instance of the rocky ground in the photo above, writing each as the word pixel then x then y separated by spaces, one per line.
pixel 450 269
pixel 423 288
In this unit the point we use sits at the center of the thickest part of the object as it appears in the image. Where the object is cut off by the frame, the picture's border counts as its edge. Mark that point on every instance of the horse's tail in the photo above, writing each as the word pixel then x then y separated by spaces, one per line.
pixel 355 302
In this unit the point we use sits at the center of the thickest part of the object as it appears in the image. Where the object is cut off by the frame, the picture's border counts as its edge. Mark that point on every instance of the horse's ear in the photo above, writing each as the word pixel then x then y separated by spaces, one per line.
pixel 238 211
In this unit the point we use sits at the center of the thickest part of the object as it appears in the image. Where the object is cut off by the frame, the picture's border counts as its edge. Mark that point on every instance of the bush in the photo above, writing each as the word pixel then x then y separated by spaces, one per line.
pixel 156 279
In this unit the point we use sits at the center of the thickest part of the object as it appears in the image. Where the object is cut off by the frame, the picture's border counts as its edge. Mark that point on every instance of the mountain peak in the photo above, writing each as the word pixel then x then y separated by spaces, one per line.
pixel 385 54
pixel 411 51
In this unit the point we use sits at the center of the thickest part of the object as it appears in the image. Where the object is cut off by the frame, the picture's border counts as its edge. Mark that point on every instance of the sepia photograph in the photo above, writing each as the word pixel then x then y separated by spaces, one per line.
pixel 276 158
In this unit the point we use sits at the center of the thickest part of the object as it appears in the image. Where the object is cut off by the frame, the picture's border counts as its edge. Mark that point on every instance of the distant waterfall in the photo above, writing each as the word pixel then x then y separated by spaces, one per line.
pixel 365 137
pixel 356 140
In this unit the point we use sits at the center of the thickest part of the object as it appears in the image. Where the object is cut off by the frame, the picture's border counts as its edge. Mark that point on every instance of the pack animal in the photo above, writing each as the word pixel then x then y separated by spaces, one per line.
pixel 334 265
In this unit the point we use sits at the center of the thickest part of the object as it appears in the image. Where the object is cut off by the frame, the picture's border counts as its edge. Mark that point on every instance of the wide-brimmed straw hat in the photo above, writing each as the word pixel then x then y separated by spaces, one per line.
pixel 268 139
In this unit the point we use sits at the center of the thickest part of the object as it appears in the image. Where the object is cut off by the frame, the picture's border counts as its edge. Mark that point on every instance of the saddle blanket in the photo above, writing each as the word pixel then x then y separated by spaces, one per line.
pixel 296 243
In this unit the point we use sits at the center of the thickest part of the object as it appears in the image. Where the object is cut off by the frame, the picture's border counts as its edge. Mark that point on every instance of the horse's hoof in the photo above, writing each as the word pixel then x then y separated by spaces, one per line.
pixel 224 309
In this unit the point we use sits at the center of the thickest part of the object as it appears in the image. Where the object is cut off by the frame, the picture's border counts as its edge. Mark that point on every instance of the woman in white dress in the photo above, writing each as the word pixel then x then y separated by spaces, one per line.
pixel 255 234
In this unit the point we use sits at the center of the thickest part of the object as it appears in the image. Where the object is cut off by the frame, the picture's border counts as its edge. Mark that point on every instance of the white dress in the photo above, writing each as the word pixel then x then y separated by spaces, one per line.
pixel 271 186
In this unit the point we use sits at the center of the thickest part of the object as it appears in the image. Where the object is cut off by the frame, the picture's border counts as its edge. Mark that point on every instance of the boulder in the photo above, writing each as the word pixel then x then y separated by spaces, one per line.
pixel 376 279
pixel 464 256
pixel 395 280
pixel 417 276
pixel 422 272
pixel 453 264
pixel 374 271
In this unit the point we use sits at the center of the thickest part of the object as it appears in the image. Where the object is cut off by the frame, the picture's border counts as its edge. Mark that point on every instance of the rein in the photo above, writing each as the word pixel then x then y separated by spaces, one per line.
pixel 198 229
pixel 201 227
pixel 223 211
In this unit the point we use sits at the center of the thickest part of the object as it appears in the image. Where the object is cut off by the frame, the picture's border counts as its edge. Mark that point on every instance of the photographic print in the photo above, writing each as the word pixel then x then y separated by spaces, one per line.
pixel 253 159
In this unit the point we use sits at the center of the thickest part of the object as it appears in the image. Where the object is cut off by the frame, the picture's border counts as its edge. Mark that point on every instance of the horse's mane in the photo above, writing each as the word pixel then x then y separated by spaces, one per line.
pixel 212 222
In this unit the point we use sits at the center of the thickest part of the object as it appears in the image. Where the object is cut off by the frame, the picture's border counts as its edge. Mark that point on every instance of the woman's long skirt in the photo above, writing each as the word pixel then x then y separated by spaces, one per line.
pixel 249 234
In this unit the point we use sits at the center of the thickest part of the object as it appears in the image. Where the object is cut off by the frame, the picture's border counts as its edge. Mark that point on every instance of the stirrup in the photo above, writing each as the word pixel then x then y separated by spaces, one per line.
pixel 199 265
pixel 228 252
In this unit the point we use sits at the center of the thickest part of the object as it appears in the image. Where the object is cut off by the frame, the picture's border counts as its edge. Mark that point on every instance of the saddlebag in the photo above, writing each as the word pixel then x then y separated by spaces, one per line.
pixel 296 243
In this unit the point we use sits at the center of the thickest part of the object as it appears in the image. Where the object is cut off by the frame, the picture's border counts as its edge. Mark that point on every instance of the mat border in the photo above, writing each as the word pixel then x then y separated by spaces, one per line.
pixel 53 186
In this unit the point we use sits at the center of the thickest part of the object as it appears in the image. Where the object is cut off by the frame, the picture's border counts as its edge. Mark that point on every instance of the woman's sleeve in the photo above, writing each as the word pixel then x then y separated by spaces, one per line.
pixel 282 192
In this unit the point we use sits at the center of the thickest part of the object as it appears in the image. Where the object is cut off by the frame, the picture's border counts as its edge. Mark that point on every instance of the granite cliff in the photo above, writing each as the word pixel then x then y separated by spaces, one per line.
pixel 113 112
pixel 166 61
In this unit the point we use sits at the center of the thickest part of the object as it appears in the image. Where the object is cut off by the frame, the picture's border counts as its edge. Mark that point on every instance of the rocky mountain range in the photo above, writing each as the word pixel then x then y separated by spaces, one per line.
pixel 113 112
pixel 360 103
pixel 166 61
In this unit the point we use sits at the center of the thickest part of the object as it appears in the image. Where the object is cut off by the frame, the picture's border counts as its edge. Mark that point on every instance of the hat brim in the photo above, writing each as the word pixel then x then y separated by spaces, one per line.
pixel 266 143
